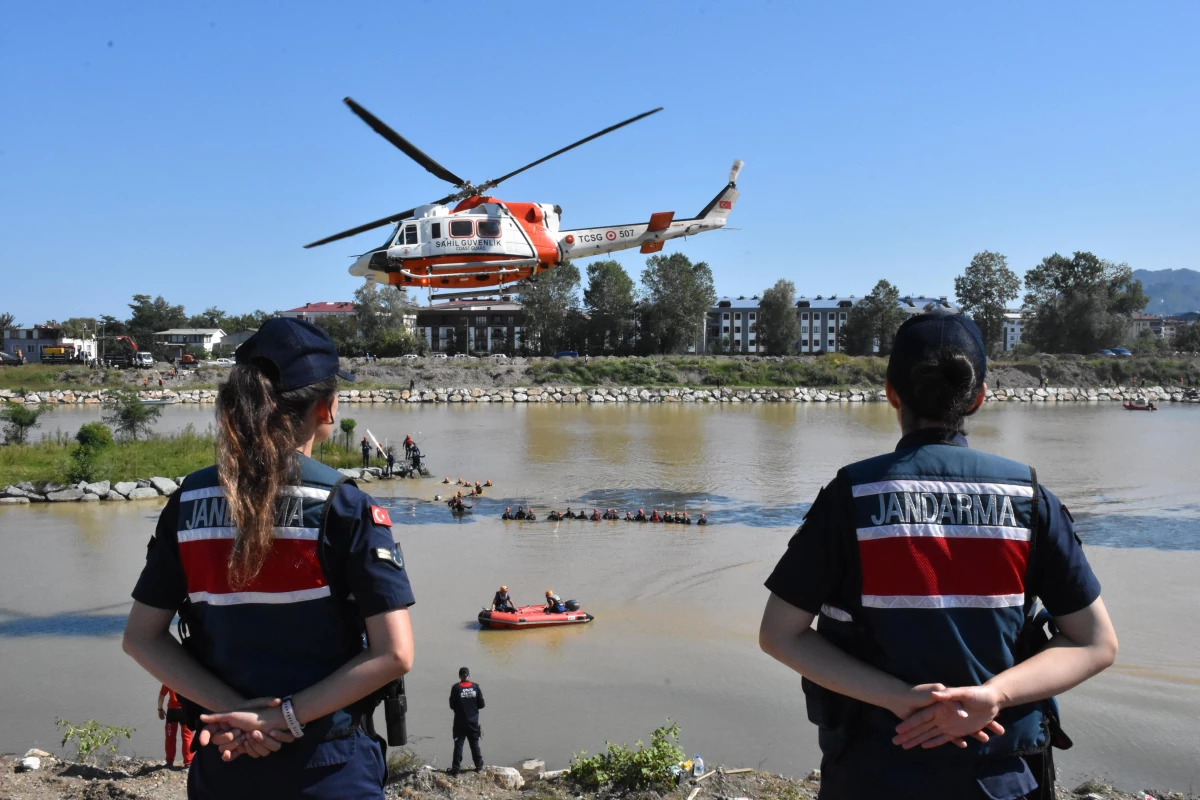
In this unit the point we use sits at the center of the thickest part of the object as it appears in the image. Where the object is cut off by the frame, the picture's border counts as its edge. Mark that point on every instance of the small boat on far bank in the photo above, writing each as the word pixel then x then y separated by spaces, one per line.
pixel 1132 406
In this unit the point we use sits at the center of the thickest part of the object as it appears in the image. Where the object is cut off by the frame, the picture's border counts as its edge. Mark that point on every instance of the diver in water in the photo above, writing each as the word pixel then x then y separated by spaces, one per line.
pixel 628 516
pixel 703 520
pixel 641 515
pixel 507 513
pixel 521 512
pixel 595 515
pixel 654 517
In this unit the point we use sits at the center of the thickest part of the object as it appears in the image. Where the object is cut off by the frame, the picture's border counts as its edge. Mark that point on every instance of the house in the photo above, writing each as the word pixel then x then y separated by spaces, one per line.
pixel 197 341
pixel 487 325
pixel 1146 322
pixel 821 321
pixel 732 326
pixel 1014 326
pixel 48 339
pixel 315 311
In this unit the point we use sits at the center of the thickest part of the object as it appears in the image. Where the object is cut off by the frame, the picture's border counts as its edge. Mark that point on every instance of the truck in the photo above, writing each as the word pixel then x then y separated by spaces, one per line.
pixel 125 353
pixel 61 354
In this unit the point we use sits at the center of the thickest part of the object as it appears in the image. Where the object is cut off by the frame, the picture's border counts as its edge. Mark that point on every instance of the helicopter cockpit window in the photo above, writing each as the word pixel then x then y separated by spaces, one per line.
pixel 410 234
pixel 489 228
pixel 461 227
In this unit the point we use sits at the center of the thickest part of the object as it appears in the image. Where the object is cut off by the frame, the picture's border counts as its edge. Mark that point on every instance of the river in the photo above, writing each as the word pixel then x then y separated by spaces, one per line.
pixel 676 609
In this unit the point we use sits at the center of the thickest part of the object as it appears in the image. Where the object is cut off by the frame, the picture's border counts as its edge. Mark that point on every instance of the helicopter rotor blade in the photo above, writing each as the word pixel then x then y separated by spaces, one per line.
pixel 379 223
pixel 496 181
pixel 405 146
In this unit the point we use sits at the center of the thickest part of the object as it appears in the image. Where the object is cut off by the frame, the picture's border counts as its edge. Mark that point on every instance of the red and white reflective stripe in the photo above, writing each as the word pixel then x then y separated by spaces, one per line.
pixel 274 598
pixel 944 601
pixel 942 487
pixel 205 534
pixel 943 532
pixel 284 491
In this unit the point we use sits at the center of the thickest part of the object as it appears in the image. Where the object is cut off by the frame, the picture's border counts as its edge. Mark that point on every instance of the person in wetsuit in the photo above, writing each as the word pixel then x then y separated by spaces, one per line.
pixel 595 515
pixel 641 515
pixel 521 512
pixel 507 513
pixel 703 520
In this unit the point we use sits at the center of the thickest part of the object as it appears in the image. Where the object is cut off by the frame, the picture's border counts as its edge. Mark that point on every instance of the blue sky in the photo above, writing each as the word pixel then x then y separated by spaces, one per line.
pixel 190 149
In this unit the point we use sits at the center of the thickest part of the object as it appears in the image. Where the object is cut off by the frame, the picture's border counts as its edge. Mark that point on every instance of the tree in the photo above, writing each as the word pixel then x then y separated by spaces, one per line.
pixel 550 302
pixel 245 322
pixel 344 332
pixel 77 327
pixel 984 291
pixel 128 416
pixel 348 425
pixel 677 294
pixel 7 321
pixel 778 328
pixel 211 317
pixel 1079 304
pixel 150 316
pixel 609 300
pixel 382 314
pixel 18 421
pixel 1187 338
pixel 873 321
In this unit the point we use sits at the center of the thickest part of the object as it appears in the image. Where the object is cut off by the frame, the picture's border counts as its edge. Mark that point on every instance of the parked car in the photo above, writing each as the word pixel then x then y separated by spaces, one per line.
pixel 567 354
pixel 410 356
pixel 224 362
pixel 1121 351
pixel 499 355
pixel 437 355
pixel 7 360
pixel 1105 353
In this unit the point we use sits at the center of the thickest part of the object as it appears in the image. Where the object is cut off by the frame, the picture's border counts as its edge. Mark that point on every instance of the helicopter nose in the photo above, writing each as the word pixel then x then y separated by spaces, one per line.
pixel 361 266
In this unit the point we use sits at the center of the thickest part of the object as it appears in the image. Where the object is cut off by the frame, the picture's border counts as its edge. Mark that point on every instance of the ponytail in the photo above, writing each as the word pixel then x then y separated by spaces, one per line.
pixel 944 386
pixel 259 428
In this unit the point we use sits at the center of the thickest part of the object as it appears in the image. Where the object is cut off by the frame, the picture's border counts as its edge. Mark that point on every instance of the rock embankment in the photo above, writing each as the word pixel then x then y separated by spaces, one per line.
pixel 83 492
pixel 641 394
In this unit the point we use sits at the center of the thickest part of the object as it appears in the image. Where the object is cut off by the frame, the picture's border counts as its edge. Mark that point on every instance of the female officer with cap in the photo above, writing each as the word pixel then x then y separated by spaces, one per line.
pixel 279 569
pixel 921 567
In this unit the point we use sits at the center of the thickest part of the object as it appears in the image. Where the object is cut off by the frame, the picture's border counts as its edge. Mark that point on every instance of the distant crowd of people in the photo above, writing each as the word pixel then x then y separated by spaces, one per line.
pixel 613 514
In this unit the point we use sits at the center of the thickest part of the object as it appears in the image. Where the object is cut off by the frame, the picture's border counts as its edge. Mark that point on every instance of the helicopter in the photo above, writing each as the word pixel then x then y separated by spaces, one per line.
pixel 485 242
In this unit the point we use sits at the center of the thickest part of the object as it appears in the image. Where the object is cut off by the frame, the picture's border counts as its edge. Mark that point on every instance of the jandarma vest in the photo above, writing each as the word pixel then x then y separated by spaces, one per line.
pixel 282 632
pixel 936 590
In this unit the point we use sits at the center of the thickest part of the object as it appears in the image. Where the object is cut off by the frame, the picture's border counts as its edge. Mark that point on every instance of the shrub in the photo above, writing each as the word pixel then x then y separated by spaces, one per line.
pixel 83 466
pixel 348 425
pixel 19 421
pixel 95 435
pixel 91 737
pixel 128 415
pixel 620 767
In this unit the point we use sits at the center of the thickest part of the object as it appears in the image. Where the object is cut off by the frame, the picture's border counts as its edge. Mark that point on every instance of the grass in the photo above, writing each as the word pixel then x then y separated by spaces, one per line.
pixel 168 456
pixel 48 377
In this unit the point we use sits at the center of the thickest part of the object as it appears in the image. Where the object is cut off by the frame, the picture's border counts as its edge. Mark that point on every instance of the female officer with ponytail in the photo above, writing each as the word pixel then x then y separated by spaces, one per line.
pixel 279 569
pixel 926 674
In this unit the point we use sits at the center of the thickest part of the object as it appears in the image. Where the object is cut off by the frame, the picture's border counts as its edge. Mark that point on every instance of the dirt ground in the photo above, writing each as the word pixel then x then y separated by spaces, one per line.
pixel 132 778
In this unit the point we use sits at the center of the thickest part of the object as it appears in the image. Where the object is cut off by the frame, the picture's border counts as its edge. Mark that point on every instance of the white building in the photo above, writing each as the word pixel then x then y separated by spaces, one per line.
pixel 1014 325
pixel 32 342
pixel 178 341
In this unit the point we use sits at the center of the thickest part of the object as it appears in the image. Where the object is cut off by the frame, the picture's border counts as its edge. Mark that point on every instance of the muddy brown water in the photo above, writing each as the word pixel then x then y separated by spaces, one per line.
pixel 676 609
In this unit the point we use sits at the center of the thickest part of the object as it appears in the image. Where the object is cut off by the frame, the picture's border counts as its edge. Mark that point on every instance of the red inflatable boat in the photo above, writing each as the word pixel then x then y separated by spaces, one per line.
pixel 531 617
pixel 1140 407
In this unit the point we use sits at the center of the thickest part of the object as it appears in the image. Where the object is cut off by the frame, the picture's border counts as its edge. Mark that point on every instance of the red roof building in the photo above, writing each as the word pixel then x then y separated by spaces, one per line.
pixel 311 311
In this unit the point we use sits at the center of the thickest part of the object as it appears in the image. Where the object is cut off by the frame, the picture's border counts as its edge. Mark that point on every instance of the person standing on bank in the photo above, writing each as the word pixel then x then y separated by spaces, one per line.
pixel 466 699
pixel 173 717
pixel 926 675
pixel 279 569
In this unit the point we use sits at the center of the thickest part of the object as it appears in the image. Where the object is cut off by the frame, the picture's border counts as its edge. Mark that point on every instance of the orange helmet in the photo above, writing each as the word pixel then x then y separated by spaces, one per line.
pixel 508 508
pixel 549 592
pixel 504 588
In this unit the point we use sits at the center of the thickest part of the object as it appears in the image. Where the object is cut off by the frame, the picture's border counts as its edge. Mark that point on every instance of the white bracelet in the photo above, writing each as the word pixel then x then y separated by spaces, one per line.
pixel 289 716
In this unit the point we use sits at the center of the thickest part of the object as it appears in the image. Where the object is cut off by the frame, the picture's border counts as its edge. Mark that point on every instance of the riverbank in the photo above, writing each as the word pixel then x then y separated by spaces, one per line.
pixel 644 394
pixel 136 778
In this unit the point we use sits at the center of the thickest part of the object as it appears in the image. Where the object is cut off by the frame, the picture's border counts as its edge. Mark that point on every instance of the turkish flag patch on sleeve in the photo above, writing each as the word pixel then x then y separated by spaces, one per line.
pixel 380 516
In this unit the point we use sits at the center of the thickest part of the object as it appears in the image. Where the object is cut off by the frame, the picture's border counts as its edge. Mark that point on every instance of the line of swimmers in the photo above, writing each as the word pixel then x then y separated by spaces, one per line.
pixel 476 490
pixel 677 518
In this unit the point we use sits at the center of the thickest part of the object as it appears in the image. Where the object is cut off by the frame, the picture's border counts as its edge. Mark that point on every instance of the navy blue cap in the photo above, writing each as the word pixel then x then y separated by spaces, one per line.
pixel 924 335
pixel 301 353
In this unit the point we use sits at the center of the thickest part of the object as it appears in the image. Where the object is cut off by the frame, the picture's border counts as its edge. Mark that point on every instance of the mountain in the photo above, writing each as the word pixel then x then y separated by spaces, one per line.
pixel 1171 291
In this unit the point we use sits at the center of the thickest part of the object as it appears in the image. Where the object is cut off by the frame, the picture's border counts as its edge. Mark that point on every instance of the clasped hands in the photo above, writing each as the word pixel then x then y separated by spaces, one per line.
pixel 255 729
pixel 932 715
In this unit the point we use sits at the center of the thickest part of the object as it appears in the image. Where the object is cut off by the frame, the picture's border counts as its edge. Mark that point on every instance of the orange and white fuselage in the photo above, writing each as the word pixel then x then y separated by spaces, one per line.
pixel 484 242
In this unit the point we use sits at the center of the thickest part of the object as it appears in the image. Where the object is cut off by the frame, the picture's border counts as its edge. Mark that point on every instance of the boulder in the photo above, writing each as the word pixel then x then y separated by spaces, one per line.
pixel 35 752
pixel 143 493
pixel 14 501
pixel 531 768
pixel 124 487
pixel 506 777
pixel 52 487
pixel 64 496
pixel 88 497
pixel 554 774
pixel 164 486
pixel 29 764
pixel 142 483
pixel 26 486
pixel 99 488
pixel 351 473
pixel 111 495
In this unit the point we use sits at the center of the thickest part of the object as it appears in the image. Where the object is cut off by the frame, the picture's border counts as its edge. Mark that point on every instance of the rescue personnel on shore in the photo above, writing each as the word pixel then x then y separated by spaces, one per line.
pixel 173 716
pixel 366 452
pixel 298 703
pixel 554 603
pixel 415 459
pixel 391 461
pixel 926 675
pixel 466 699
pixel 502 601
pixel 408 445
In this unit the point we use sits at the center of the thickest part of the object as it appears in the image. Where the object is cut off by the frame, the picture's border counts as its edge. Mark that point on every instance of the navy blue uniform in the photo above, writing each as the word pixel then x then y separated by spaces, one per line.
pixel 921 562
pixel 466 698
pixel 281 633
